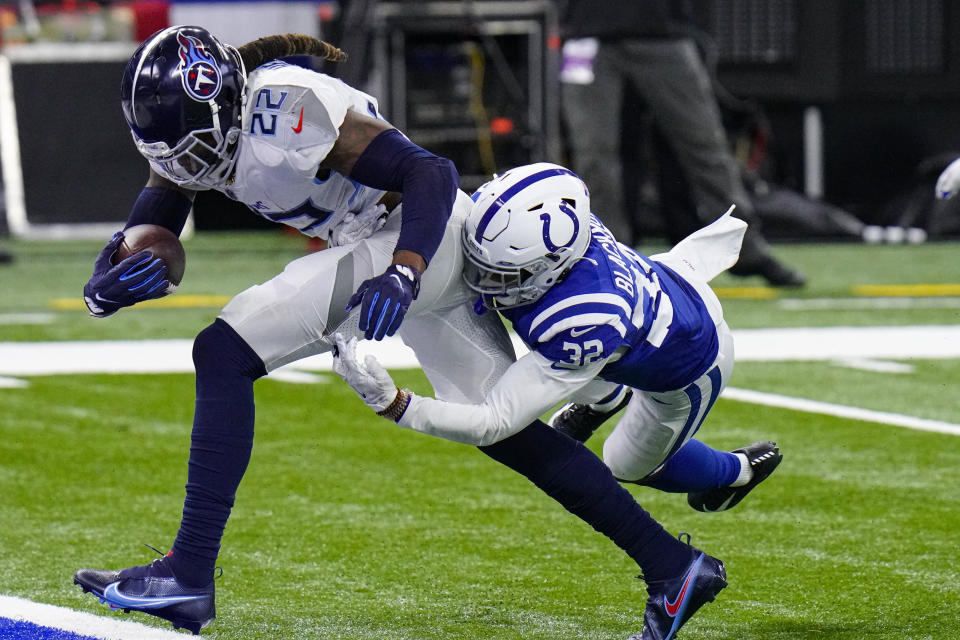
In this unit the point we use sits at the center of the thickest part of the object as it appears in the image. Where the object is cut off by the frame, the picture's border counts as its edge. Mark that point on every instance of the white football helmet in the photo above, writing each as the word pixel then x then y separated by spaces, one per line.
pixel 526 229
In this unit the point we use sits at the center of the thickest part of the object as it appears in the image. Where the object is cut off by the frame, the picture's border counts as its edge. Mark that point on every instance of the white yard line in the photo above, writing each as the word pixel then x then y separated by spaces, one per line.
pixel 855 344
pixel 839 410
pixel 752 345
pixel 85 624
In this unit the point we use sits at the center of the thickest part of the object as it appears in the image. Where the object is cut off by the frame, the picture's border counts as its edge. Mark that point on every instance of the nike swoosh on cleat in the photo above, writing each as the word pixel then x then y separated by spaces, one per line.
pixel 673 608
pixel 723 505
pixel 114 597
pixel 299 127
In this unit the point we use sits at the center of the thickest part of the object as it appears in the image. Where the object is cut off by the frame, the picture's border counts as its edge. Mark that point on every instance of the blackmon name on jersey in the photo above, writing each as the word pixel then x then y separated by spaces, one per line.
pixel 641 317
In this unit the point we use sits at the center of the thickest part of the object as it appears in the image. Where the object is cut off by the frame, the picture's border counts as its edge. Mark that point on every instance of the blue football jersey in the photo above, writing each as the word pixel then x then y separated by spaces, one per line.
pixel 648 323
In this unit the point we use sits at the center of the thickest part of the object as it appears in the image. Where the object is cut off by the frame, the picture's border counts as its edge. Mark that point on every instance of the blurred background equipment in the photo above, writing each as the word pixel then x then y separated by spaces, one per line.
pixel 862 97
pixel 856 103
pixel 473 81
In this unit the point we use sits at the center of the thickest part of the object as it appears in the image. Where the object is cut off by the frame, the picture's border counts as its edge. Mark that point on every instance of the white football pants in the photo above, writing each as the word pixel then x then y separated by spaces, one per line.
pixel 290 316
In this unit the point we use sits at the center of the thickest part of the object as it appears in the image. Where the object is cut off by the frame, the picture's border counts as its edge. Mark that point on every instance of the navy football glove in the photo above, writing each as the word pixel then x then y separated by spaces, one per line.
pixel 135 279
pixel 384 300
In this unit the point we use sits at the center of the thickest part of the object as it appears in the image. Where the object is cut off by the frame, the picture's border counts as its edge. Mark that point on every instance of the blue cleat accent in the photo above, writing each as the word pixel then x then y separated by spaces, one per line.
pixel 152 589
pixel 672 602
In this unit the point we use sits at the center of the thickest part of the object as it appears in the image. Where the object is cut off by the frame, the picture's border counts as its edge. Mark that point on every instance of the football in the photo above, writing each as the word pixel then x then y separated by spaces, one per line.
pixel 162 242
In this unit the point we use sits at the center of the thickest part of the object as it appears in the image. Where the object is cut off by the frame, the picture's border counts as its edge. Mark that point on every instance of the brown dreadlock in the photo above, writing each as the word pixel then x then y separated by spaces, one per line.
pixel 269 48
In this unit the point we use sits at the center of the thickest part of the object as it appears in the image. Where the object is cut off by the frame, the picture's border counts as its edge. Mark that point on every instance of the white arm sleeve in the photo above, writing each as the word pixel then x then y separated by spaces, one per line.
pixel 529 387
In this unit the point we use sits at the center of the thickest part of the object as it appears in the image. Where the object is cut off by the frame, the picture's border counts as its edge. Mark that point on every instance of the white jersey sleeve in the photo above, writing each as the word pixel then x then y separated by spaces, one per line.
pixel 294 115
pixel 527 389
pixel 292 121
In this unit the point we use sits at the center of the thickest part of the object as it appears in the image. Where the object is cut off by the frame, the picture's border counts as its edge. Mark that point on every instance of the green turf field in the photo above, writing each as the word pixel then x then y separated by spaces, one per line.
pixel 349 527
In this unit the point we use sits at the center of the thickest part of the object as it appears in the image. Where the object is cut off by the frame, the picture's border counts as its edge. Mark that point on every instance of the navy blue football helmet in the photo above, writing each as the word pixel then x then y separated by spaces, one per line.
pixel 183 95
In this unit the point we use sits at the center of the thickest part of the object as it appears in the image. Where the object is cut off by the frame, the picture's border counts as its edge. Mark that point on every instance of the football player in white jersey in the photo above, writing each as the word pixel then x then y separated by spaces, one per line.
pixel 605 325
pixel 304 149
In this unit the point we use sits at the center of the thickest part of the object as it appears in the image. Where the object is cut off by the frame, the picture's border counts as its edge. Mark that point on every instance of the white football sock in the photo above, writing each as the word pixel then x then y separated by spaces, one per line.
pixel 746 473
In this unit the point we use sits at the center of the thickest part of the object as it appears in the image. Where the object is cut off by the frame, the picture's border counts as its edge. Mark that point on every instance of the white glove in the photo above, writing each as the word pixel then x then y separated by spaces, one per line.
pixel 369 379
pixel 949 181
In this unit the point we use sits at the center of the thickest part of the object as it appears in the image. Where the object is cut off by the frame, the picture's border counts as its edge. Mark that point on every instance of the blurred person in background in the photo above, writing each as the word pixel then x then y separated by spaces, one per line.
pixel 647 45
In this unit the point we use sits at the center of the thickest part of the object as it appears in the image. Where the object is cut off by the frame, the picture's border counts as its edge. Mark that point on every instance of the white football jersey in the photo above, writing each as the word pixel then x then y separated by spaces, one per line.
pixel 292 120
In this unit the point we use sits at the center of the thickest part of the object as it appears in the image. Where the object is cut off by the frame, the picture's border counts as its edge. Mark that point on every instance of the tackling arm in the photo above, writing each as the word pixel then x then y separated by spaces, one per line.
pixel 527 389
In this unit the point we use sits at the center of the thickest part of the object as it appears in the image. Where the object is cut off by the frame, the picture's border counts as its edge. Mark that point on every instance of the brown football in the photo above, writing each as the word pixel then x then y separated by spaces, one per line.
pixel 162 242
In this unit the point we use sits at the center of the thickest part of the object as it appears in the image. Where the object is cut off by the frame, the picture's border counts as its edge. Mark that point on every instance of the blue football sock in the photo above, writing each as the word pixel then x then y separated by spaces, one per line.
pixel 572 475
pixel 220 447
pixel 696 467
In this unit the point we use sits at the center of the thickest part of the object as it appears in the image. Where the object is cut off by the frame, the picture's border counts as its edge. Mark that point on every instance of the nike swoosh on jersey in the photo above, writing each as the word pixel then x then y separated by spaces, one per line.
pixel 113 595
pixel 577 331
pixel 299 127
pixel 674 607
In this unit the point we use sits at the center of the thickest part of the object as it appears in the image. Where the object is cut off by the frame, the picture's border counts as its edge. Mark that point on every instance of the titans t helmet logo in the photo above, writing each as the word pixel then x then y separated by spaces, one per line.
pixel 198 70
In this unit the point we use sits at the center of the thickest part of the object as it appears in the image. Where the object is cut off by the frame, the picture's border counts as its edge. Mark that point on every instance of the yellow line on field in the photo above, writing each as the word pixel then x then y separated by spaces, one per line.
pixel 906 290
pixel 730 293
pixel 170 302
pixel 746 293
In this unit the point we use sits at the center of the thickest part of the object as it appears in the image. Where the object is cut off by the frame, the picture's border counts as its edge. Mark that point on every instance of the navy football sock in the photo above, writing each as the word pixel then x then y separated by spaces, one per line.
pixel 220 447
pixel 695 467
pixel 572 475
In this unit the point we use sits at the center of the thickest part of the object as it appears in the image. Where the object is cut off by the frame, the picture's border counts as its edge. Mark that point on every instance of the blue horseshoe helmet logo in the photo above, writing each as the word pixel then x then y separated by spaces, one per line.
pixel 545 230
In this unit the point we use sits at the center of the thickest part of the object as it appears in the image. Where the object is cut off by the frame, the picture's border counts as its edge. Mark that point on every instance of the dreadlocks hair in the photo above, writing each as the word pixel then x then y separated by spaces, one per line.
pixel 269 48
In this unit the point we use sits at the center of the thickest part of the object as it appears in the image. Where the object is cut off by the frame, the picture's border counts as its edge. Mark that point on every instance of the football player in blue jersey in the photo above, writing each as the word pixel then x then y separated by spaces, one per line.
pixel 304 149
pixel 604 325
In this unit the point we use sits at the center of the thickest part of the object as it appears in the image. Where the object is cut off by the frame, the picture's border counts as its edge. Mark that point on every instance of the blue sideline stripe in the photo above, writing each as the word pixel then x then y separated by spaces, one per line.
pixel 20 630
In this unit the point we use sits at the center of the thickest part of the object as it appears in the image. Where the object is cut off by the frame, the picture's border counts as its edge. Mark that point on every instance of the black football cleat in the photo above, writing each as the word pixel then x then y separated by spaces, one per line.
pixel 579 421
pixel 670 603
pixel 154 590
pixel 763 457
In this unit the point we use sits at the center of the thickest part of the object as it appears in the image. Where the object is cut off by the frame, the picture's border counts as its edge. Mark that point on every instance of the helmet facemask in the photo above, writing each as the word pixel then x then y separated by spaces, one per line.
pixel 184 95
pixel 203 158
pixel 502 287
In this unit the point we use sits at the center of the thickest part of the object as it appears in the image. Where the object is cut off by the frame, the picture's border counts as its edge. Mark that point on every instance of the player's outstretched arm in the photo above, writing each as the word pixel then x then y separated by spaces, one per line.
pixel 527 389
pixel 374 153
pixel 141 276
pixel 949 181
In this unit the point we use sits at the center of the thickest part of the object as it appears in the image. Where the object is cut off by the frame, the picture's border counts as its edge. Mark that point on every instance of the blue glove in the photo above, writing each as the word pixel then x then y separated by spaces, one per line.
pixel 384 300
pixel 135 279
